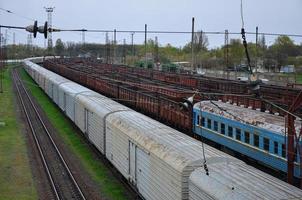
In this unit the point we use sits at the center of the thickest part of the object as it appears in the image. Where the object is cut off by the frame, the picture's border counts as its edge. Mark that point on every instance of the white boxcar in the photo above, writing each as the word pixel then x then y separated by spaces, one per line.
pixel 45 81
pixel 67 93
pixel 55 82
pixel 48 77
pixel 32 69
pixel 91 111
pixel 49 90
pixel 39 74
pixel 157 159
pixel 42 78
pixel 235 181
pixel 27 67
pixel 48 82
pixel 62 96
pixel 35 75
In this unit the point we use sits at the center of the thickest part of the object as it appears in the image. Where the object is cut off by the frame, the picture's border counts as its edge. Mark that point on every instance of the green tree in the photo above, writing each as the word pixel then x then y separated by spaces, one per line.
pixel 283 48
pixel 59 48
pixel 200 41
pixel 236 52
pixel 262 42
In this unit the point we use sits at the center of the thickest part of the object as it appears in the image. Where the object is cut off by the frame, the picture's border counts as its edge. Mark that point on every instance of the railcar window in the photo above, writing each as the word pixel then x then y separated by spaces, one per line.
pixel 238 134
pixel 209 123
pixel 296 156
pixel 230 131
pixel 283 151
pixel 203 121
pixel 246 137
pixel 222 128
pixel 215 126
pixel 275 147
pixel 256 140
pixel 198 118
pixel 266 144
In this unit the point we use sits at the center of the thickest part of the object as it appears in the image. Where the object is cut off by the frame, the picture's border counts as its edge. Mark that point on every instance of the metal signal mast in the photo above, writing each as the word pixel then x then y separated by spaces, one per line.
pixel 49 11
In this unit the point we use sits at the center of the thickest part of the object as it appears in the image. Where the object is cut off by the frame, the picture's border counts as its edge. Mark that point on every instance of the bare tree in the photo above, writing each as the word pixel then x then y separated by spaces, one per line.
pixel 201 41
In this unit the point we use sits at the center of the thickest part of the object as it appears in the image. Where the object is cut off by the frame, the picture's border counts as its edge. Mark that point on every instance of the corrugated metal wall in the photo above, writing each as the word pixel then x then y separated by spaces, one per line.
pixel 79 115
pixel 70 106
pixel 95 130
pixel 117 144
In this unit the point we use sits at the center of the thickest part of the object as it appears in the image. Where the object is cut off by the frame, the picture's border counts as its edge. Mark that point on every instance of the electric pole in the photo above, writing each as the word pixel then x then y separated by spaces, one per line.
pixel 107 46
pixel 114 43
pixel 83 37
pixel 192 46
pixel 124 51
pixel 5 38
pixel 156 54
pixel 132 46
pixel 256 63
pixel 226 51
pixel 146 45
pixel 14 38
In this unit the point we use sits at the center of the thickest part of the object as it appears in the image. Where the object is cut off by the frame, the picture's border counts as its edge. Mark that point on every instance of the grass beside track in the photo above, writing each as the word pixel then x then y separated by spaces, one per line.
pixel 16 180
pixel 109 186
pixel 299 78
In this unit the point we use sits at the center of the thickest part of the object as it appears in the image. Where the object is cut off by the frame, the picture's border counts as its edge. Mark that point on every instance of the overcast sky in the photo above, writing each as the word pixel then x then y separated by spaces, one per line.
pixel 278 16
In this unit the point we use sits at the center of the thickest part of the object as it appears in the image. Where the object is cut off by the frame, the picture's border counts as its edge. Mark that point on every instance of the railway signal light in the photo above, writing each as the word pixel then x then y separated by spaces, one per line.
pixel 41 29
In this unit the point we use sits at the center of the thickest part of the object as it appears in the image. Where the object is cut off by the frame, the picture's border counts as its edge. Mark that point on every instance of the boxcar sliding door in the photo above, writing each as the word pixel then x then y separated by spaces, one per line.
pixel 95 130
pixel 132 163
pixel 86 121
pixel 144 178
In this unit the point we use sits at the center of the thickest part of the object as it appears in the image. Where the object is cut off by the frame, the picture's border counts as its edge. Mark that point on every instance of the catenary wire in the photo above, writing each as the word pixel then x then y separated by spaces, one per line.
pixel 14 13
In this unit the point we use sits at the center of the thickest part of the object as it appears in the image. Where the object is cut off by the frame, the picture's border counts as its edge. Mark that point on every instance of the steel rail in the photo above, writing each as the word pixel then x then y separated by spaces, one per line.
pixel 36 139
pixel 17 79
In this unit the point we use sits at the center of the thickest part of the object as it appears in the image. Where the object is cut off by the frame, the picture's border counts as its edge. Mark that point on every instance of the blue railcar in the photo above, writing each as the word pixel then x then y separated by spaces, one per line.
pixel 253 133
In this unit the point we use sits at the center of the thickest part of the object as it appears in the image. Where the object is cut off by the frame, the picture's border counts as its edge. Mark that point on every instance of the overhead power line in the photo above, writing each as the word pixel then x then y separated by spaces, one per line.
pixel 159 31
pixel 178 32
pixel 14 27
pixel 14 13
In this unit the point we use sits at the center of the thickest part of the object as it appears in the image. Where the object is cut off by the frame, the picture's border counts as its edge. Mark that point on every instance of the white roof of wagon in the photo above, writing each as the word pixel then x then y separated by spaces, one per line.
pixel 99 104
pixel 245 115
pixel 241 181
pixel 175 148
pixel 57 79
pixel 73 88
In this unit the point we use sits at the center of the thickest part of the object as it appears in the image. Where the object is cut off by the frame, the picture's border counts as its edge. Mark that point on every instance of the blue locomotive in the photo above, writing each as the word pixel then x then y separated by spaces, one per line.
pixel 253 133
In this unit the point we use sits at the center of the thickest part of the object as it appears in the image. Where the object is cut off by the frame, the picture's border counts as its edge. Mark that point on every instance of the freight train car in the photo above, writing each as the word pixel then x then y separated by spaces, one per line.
pixel 160 162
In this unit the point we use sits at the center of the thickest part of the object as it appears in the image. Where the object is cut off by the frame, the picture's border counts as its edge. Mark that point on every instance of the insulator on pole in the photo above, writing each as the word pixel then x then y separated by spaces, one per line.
pixel 33 29
pixel 43 29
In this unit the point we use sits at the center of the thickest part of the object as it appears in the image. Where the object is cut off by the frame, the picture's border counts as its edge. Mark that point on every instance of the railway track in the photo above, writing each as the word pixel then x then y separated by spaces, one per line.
pixel 59 175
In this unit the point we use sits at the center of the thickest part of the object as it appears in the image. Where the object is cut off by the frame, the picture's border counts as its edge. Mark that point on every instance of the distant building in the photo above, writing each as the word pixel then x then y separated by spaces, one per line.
pixel 287 69
pixel 183 65
pixel 85 55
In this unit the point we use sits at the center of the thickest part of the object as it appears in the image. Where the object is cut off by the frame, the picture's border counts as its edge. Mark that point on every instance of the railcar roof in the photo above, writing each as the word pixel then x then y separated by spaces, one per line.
pixel 180 150
pixel 174 147
pixel 233 185
pixel 99 104
pixel 256 118
pixel 73 88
